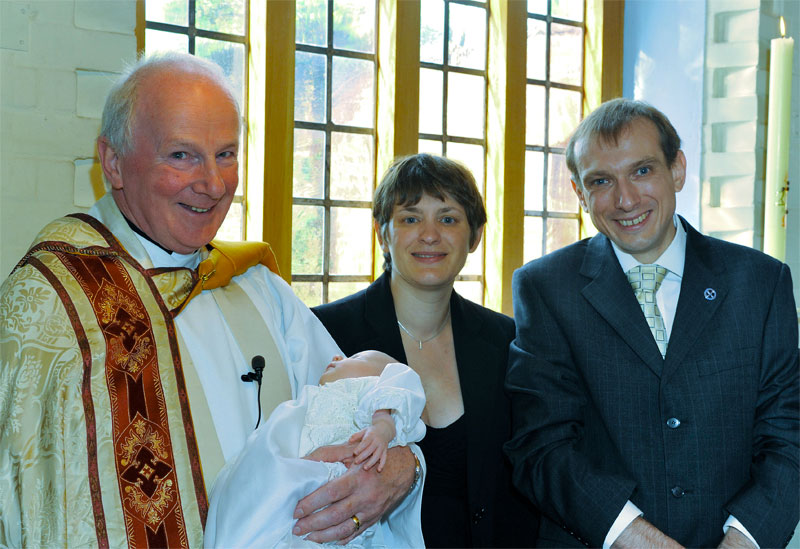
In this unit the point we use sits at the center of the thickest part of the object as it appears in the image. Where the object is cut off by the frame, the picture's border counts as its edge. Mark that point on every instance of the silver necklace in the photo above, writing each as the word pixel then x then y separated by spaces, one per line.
pixel 421 341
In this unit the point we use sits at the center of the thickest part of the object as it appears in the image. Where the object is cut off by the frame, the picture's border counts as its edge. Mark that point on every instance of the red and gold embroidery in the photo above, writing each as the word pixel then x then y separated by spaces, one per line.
pixel 142 446
pixel 151 487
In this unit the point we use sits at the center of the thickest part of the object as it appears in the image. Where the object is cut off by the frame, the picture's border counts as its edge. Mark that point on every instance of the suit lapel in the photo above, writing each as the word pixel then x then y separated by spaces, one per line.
pixel 474 357
pixel 611 295
pixel 703 289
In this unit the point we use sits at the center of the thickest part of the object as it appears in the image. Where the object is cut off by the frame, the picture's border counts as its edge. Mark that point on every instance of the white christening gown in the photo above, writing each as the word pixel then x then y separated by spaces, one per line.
pixel 254 497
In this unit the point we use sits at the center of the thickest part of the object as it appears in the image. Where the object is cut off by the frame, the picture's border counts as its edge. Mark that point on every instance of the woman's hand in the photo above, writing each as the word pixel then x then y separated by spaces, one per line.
pixel 327 513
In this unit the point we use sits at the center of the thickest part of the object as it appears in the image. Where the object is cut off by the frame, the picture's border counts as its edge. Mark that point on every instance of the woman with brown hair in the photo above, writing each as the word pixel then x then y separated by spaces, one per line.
pixel 428 216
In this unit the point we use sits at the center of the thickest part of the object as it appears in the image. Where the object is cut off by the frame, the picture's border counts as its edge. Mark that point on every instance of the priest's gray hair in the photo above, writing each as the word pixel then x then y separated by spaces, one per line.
pixel 117 122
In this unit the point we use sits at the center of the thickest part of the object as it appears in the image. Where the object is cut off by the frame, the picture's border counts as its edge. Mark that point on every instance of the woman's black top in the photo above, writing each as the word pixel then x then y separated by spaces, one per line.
pixel 445 510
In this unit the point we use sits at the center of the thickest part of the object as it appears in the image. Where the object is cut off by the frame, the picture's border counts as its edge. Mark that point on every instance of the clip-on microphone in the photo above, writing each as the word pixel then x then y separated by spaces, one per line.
pixel 258 366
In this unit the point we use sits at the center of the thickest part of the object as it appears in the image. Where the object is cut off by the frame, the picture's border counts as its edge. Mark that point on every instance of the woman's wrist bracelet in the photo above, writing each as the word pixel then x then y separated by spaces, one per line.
pixel 417 473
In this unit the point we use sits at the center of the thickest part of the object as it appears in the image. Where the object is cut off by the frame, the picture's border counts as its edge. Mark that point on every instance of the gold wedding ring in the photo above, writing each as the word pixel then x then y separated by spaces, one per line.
pixel 357 522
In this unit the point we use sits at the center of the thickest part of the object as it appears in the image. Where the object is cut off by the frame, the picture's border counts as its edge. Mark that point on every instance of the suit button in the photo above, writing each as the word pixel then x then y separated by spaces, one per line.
pixel 673 423
pixel 478 515
pixel 678 492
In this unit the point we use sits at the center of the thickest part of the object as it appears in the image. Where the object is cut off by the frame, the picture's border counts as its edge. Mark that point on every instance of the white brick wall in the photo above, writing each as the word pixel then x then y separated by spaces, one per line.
pixel 57 61
pixel 733 133
pixel 738 38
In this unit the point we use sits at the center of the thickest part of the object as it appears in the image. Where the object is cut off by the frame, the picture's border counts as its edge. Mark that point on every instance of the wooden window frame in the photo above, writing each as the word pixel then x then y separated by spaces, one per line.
pixel 328 128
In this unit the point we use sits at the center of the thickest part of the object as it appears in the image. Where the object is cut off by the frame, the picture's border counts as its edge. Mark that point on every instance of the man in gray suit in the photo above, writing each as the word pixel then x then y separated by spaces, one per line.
pixel 654 374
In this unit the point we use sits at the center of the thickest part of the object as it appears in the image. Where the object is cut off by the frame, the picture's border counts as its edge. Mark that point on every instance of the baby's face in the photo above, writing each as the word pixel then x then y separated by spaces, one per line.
pixel 363 364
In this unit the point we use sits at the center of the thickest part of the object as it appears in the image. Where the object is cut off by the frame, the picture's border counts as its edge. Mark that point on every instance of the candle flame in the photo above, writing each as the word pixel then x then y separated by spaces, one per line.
pixel 783 27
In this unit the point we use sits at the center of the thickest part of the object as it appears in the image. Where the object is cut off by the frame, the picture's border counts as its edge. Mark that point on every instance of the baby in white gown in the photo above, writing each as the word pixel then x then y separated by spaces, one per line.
pixel 367 398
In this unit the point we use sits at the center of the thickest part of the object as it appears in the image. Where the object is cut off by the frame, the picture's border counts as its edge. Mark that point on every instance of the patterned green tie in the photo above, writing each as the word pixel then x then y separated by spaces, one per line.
pixel 645 281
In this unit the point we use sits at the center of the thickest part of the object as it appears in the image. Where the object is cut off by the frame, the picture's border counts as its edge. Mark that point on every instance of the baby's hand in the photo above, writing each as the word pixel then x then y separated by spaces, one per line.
pixel 374 440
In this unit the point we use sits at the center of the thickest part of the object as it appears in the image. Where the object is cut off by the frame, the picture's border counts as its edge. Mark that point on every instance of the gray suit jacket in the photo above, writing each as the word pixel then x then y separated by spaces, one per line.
pixel 599 417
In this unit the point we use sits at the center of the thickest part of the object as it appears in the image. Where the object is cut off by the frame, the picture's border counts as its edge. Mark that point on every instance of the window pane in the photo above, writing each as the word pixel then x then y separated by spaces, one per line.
pixel 467 37
pixel 560 196
pixel 351 166
pixel 431 34
pixel 534 176
pixel 565 111
pixel 568 9
pixel 309 87
pixel 534 116
pixel 311 23
pixel 555 55
pixel 472 156
pixel 471 289
pixel 533 238
pixel 228 55
pixel 227 16
pixel 309 292
pixel 537 6
pixel 309 163
pixel 307 239
pixel 429 146
pixel 566 65
pixel 175 12
pixel 338 290
pixel 165 41
pixel 561 232
pixel 231 228
pixel 430 101
pixel 465 105
pixel 351 241
pixel 537 44
pixel 354 25
pixel 353 92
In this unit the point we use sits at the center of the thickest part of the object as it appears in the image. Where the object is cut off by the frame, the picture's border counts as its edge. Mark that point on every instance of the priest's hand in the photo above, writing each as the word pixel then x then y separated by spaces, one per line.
pixel 327 513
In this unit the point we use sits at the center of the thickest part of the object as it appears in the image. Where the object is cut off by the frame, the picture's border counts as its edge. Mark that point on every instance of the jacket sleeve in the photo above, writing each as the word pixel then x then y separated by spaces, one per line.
pixel 567 476
pixel 768 505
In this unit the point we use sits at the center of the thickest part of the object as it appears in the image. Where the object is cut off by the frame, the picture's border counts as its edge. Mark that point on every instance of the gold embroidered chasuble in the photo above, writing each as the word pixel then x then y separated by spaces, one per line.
pixel 98 445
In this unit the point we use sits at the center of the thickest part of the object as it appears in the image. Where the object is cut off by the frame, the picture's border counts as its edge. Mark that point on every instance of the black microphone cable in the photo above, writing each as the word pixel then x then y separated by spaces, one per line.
pixel 258 366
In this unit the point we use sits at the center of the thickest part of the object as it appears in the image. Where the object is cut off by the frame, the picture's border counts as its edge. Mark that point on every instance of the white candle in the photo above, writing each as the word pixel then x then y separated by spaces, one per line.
pixel 778 120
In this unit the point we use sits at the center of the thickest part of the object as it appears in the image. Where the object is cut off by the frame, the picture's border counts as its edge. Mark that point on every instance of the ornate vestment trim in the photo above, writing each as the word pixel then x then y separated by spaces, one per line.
pixel 168 312
pixel 88 403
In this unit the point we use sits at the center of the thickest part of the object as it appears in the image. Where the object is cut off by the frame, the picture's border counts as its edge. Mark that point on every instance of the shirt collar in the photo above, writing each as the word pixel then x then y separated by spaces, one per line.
pixel 159 255
pixel 672 259
pixel 161 258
